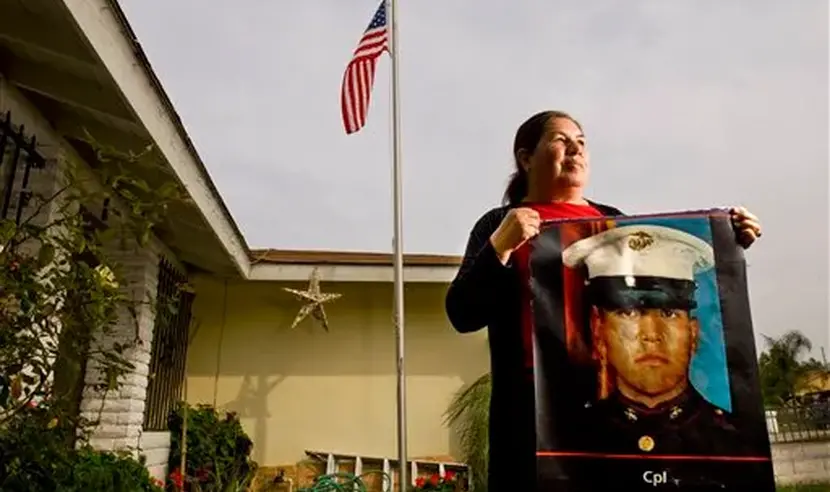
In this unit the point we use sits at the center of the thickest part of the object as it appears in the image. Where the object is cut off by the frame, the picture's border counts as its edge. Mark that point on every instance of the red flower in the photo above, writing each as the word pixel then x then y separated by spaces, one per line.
pixel 449 476
pixel 434 479
pixel 177 479
pixel 420 482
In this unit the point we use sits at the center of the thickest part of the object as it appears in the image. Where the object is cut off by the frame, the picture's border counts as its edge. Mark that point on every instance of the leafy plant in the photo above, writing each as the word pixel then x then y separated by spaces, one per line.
pixel 35 457
pixel 60 292
pixel 115 472
pixel 34 454
pixel 62 295
pixel 218 451
pixel 469 413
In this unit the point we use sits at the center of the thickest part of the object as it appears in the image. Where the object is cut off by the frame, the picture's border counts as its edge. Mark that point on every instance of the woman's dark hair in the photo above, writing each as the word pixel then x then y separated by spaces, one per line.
pixel 527 138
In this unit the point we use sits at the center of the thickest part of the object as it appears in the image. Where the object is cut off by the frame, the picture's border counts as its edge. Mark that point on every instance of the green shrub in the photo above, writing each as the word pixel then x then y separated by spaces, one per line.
pixel 37 454
pixel 469 413
pixel 35 451
pixel 218 450
pixel 59 297
pixel 112 472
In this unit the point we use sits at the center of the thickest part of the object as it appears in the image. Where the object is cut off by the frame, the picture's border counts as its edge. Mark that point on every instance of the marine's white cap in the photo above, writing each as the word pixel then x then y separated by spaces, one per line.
pixel 641 250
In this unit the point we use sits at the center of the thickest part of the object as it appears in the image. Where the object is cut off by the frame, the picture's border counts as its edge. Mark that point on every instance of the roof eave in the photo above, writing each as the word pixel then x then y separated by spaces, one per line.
pixel 104 24
pixel 271 272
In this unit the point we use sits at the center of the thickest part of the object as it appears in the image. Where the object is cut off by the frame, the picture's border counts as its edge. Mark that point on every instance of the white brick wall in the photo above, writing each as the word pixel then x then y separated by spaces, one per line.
pixel 801 462
pixel 120 413
pixel 155 446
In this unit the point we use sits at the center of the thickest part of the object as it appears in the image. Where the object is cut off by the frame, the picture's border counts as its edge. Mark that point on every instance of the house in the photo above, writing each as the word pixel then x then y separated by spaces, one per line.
pixel 307 389
pixel 814 382
pixel 74 68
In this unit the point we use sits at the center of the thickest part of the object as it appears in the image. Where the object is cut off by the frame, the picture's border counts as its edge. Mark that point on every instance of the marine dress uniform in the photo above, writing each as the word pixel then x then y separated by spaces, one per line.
pixel 650 267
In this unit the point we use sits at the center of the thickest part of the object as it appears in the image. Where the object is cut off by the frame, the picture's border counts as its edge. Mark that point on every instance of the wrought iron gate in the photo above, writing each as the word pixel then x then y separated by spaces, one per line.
pixel 18 157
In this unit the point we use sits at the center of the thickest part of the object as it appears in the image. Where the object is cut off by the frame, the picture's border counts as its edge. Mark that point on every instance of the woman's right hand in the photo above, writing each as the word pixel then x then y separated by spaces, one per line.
pixel 519 225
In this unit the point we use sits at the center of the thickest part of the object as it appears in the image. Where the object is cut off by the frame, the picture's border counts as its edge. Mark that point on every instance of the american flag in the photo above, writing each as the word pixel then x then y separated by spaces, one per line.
pixel 360 73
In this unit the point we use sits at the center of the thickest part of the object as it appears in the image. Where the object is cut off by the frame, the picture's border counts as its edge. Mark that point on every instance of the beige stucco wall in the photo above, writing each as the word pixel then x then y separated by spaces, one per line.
pixel 308 389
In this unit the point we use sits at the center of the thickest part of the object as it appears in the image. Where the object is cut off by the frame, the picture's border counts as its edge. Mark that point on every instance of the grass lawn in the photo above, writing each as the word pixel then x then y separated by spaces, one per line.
pixel 815 487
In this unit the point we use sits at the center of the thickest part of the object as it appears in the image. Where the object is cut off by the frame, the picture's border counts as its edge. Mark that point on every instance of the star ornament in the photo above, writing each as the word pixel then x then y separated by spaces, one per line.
pixel 314 300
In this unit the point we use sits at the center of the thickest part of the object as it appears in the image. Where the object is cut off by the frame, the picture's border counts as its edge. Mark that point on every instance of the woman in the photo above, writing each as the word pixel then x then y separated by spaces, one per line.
pixel 552 167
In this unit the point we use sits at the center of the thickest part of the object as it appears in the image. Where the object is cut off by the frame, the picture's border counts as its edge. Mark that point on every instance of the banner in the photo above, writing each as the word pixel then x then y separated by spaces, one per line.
pixel 645 368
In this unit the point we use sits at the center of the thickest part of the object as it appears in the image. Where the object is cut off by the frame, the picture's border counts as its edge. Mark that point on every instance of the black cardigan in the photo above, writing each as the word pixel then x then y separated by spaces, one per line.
pixel 486 293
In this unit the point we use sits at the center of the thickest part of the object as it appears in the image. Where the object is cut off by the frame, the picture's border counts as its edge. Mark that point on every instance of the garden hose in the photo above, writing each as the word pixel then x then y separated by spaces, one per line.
pixel 346 482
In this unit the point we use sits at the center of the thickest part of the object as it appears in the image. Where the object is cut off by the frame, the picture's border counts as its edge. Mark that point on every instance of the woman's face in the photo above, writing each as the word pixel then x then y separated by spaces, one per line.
pixel 560 159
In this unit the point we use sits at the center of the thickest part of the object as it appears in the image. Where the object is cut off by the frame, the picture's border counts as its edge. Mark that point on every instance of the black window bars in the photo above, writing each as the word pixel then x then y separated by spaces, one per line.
pixel 169 347
pixel 16 153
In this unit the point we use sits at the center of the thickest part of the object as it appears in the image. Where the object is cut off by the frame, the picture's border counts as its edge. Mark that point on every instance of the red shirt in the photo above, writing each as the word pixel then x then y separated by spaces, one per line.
pixel 521 257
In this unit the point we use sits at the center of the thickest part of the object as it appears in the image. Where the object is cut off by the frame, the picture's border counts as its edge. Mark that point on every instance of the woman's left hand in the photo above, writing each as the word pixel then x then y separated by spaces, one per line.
pixel 747 226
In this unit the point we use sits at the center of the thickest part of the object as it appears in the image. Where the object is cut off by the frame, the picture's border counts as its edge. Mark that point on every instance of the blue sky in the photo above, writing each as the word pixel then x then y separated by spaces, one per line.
pixel 686 104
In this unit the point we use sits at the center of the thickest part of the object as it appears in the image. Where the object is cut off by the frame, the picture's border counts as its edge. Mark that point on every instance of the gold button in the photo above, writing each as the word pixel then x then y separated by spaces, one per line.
pixel 646 443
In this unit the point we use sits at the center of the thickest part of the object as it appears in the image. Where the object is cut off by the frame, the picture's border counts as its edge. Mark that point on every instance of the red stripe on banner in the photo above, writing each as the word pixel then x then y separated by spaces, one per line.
pixel 659 457
pixel 521 258
pixel 577 338
pixel 572 279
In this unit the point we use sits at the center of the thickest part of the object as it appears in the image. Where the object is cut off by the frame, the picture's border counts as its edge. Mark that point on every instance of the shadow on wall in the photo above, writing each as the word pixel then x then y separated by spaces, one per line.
pixel 251 404
pixel 246 337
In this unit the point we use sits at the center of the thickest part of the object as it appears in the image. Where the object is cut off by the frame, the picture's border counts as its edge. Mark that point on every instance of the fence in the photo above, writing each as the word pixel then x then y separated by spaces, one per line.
pixel 172 327
pixel 17 155
pixel 799 422
pixel 376 473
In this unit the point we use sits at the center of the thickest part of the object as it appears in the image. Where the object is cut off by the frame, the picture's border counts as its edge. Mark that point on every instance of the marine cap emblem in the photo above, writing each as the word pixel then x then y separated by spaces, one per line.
pixel 640 240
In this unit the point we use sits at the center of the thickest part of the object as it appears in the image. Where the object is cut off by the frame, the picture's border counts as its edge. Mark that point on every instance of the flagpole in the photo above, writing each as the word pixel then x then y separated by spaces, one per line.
pixel 392 10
